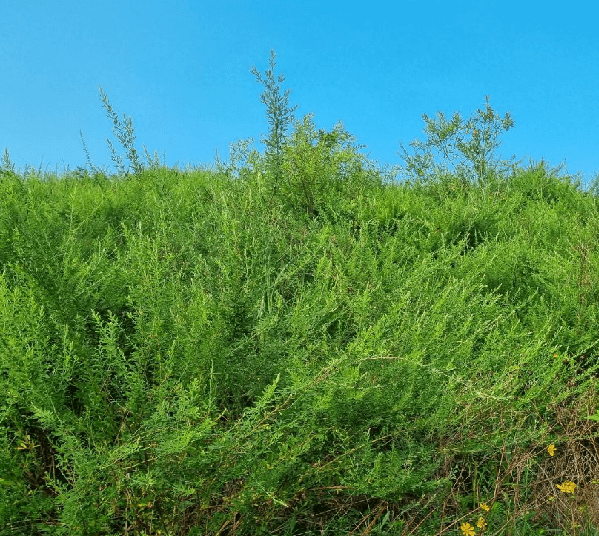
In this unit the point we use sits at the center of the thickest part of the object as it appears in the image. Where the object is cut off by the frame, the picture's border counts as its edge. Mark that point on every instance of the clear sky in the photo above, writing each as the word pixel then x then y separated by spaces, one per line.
pixel 181 70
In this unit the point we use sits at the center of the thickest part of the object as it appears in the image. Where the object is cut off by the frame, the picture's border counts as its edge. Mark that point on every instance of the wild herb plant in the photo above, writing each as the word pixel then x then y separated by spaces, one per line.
pixel 88 159
pixel 124 132
pixel 243 159
pixel 467 145
pixel 278 113
pixel 318 166
pixel 8 167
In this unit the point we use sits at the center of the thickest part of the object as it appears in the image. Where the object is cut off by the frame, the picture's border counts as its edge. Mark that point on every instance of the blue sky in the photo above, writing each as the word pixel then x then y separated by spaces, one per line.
pixel 181 70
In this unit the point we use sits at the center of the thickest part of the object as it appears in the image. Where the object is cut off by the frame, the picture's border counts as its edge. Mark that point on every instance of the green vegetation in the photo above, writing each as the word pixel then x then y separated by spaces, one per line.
pixel 292 344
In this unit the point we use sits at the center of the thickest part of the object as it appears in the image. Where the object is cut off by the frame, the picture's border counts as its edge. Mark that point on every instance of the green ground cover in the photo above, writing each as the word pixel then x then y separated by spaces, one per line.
pixel 294 345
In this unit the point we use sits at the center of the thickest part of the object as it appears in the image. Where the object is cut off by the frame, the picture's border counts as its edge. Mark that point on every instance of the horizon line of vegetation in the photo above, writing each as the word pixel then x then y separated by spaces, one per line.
pixel 465 146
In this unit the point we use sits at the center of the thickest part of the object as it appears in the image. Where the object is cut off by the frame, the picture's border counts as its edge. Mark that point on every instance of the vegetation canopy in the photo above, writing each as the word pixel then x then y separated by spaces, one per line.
pixel 300 343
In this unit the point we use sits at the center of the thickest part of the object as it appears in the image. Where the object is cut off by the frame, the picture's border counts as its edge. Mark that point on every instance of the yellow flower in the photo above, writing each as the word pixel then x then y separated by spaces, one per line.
pixel 551 449
pixel 480 523
pixel 566 487
pixel 485 507
pixel 467 529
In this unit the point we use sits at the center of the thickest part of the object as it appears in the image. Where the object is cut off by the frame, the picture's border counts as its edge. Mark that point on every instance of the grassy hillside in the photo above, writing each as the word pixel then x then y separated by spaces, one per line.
pixel 186 353
pixel 293 345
